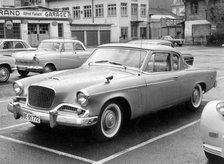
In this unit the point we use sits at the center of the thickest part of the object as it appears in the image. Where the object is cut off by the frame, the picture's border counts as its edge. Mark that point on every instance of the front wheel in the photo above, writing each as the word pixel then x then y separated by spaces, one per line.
pixel 196 98
pixel 4 74
pixel 109 122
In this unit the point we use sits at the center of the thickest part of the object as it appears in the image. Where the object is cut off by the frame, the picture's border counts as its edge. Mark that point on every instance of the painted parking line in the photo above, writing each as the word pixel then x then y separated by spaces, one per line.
pixel 4 100
pixel 14 126
pixel 146 143
pixel 60 153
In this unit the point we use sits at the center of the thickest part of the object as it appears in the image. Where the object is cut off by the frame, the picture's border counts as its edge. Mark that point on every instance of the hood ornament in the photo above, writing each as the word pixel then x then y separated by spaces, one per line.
pixel 108 78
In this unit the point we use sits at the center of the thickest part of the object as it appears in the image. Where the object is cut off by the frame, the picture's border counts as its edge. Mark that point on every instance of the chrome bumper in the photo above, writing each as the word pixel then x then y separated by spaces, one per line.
pixel 53 117
pixel 30 68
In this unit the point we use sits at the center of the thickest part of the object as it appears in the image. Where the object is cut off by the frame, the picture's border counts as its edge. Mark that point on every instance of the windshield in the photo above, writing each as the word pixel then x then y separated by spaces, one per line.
pixel 119 56
pixel 49 46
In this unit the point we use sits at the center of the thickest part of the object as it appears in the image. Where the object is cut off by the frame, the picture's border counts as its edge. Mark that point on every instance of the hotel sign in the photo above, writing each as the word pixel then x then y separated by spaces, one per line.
pixel 33 14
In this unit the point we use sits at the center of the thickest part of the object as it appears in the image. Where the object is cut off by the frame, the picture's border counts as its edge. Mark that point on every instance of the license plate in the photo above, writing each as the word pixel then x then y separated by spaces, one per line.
pixel 31 117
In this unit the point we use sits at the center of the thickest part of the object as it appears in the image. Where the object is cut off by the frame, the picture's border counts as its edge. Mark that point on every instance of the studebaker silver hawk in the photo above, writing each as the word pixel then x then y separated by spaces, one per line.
pixel 117 83
pixel 52 55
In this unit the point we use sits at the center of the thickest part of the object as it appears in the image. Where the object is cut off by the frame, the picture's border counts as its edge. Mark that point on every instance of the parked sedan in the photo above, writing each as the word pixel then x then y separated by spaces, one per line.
pixel 52 55
pixel 10 46
pixel 117 83
pixel 7 66
pixel 212 132
pixel 176 42
pixel 188 58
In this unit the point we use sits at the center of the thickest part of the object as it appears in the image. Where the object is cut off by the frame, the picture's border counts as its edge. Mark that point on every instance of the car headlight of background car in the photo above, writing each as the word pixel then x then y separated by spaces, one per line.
pixel 18 87
pixel 82 99
pixel 220 108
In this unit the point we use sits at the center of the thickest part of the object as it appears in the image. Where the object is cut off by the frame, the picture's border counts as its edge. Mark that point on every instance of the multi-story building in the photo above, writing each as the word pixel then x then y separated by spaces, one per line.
pixel 197 26
pixel 101 21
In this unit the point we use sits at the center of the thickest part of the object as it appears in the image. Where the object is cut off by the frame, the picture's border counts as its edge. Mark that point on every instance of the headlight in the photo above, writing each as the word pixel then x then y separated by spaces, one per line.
pixel 82 99
pixel 18 87
pixel 220 108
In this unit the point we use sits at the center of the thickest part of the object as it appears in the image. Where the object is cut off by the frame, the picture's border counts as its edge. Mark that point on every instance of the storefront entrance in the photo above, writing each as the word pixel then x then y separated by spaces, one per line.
pixel 37 33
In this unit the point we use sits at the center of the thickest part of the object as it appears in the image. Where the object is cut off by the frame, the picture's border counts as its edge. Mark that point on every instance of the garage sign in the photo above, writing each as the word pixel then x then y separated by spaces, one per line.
pixel 34 14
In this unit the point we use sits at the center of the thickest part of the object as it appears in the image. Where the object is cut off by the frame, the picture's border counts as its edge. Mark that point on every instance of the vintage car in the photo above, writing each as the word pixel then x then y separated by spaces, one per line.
pixel 176 42
pixel 10 46
pixel 7 66
pixel 52 55
pixel 188 58
pixel 212 131
pixel 118 82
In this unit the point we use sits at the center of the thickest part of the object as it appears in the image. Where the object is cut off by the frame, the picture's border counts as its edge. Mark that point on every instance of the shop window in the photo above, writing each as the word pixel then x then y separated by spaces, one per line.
pixel 43 28
pixel 32 29
pixel 60 30
pixel 16 30
pixel 2 33
pixel 112 10
pixel 124 32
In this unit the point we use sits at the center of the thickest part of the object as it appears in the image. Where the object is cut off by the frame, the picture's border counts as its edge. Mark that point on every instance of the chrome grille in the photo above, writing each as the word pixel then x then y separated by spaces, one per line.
pixel 40 97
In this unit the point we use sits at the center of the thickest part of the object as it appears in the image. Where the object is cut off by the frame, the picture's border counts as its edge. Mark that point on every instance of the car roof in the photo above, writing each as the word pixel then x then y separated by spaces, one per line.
pixel 61 40
pixel 152 47
pixel 155 41
pixel 12 40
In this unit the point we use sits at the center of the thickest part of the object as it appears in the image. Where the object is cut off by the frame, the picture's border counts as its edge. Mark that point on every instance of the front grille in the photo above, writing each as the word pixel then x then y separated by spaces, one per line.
pixel 40 97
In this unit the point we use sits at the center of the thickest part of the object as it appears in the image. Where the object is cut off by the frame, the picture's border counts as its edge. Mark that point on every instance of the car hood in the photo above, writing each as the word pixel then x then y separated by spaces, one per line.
pixel 70 81
pixel 28 56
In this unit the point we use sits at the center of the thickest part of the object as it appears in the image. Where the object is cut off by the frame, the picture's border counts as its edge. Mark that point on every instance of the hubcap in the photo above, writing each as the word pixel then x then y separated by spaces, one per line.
pixel 3 74
pixel 110 120
pixel 196 97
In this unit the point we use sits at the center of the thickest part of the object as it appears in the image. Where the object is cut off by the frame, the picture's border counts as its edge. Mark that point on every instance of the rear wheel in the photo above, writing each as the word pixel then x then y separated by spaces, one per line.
pixel 23 73
pixel 4 74
pixel 196 98
pixel 48 68
pixel 109 122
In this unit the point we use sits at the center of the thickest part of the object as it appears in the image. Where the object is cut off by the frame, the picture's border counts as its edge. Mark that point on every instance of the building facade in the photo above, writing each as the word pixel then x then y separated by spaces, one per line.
pixel 96 22
pixel 178 7
pixel 197 26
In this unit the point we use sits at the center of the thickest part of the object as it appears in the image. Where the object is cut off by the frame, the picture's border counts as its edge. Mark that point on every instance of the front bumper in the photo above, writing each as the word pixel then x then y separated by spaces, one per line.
pixel 54 117
pixel 30 68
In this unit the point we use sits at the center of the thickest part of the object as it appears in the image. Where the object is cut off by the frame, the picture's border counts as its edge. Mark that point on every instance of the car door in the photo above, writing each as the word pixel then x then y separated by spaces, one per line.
pixel 69 58
pixel 162 81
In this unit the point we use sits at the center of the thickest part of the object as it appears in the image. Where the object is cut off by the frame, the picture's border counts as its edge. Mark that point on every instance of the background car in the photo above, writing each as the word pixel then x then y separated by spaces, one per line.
pixel 212 131
pixel 118 82
pixel 52 55
pixel 188 58
pixel 7 66
pixel 10 46
pixel 176 42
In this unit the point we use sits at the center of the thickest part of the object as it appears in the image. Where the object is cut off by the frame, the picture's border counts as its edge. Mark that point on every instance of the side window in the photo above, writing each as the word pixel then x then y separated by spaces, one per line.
pixel 7 45
pixel 159 62
pixel 68 46
pixel 18 45
pixel 78 46
pixel 176 62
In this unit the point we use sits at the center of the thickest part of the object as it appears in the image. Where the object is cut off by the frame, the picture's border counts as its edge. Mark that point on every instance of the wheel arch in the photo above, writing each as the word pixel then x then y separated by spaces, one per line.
pixel 52 65
pixel 6 65
pixel 126 108
pixel 203 86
